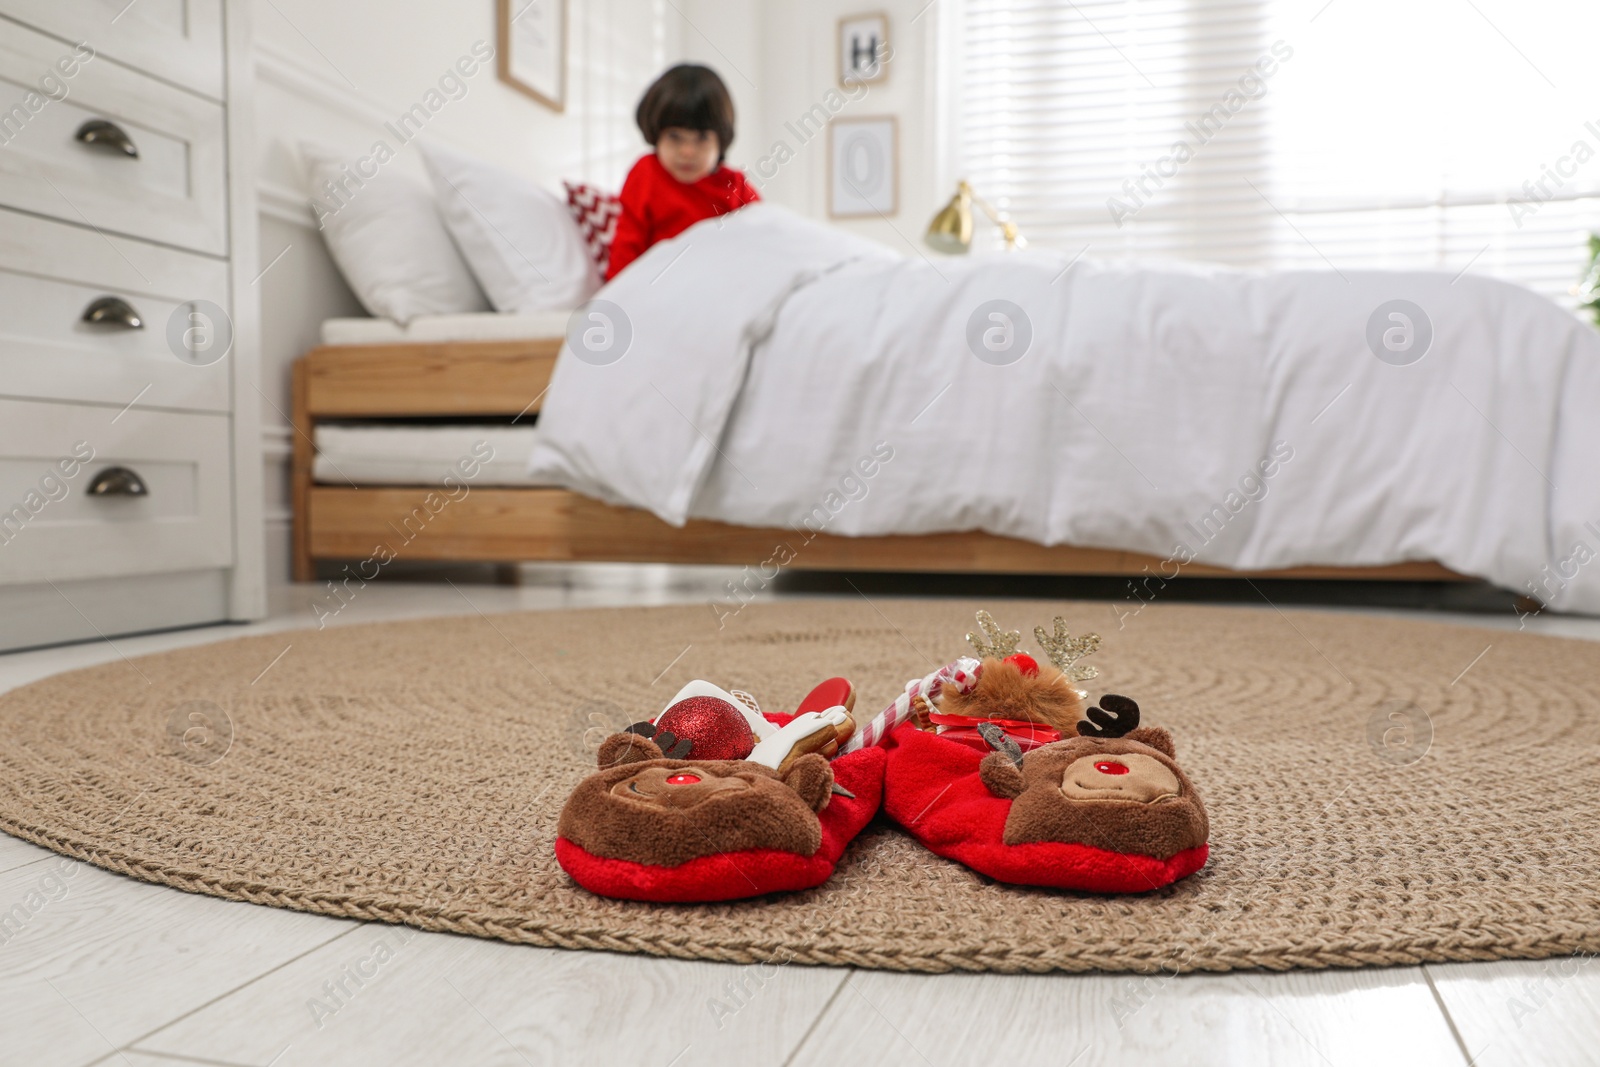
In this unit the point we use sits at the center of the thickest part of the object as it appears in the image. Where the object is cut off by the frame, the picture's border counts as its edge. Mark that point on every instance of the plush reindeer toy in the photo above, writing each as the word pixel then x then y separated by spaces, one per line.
pixel 1116 788
pixel 666 812
pixel 997 764
pixel 713 800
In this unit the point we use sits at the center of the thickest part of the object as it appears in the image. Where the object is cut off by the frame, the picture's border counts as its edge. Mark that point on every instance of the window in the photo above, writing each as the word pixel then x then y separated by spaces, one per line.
pixel 617 48
pixel 1451 134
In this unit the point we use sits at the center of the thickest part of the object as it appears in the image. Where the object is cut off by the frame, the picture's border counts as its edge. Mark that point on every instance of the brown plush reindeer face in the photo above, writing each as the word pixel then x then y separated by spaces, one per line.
pixel 643 807
pixel 1122 791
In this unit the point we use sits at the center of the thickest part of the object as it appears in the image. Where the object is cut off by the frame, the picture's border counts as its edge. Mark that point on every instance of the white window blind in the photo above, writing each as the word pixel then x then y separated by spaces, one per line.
pixel 616 49
pixel 1267 133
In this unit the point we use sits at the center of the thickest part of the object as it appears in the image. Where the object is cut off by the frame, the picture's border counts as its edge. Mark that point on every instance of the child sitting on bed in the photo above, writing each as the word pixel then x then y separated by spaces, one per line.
pixel 687 116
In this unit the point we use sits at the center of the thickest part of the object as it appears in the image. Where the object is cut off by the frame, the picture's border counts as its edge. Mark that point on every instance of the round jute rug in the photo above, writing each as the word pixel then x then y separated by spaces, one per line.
pixel 1380 792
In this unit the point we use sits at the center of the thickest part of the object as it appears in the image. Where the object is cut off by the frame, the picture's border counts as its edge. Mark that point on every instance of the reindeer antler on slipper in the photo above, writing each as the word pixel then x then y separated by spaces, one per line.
pixel 1013 687
pixel 1119 716
pixel 1004 686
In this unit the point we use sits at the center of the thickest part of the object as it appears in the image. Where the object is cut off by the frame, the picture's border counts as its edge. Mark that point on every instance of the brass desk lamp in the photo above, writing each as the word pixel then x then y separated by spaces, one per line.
pixel 951 229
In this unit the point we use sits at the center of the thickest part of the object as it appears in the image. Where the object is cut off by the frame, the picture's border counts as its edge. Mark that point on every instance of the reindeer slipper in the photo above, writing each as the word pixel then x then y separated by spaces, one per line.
pixel 994 763
pixel 715 800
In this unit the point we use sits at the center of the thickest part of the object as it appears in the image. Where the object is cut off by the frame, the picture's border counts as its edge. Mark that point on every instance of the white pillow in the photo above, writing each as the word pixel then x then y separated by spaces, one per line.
pixel 520 240
pixel 389 242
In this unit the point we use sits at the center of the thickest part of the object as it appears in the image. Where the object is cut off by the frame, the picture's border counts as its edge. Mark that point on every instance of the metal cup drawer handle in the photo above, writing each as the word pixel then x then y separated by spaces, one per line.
pixel 118 481
pixel 107 133
pixel 113 311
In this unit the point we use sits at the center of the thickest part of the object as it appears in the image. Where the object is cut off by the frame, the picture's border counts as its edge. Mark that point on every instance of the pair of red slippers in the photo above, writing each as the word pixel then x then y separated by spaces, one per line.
pixel 993 762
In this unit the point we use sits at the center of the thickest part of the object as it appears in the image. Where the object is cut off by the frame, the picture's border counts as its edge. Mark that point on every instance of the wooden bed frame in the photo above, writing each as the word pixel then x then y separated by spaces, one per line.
pixel 508 379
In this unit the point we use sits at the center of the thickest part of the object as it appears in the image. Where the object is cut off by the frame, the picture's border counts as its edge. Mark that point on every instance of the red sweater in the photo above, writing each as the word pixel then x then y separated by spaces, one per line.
pixel 656 206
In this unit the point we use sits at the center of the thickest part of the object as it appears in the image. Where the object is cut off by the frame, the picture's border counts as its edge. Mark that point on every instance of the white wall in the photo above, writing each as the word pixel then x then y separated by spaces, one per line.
pixel 334 73
pixel 798 61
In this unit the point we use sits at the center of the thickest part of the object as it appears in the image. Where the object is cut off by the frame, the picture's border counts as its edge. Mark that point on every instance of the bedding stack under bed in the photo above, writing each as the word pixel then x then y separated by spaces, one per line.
pixel 424 329
pixel 357 453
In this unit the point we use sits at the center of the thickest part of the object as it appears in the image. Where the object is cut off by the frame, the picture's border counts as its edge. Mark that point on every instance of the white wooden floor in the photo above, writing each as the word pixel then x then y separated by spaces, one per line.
pixel 108 970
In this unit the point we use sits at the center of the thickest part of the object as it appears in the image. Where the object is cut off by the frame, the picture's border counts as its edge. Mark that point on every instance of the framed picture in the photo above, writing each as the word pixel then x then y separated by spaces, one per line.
pixel 863 40
pixel 533 49
pixel 863 167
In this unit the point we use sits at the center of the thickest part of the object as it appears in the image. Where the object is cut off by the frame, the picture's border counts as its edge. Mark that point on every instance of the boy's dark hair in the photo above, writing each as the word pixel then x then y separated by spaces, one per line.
pixel 691 97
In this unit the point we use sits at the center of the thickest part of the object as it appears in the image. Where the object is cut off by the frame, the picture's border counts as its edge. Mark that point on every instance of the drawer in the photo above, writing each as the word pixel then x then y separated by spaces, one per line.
pixel 172 191
pixel 54 528
pixel 176 40
pixel 52 273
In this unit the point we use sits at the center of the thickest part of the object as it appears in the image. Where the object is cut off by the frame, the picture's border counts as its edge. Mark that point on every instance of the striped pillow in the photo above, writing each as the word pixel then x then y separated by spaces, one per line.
pixel 596 212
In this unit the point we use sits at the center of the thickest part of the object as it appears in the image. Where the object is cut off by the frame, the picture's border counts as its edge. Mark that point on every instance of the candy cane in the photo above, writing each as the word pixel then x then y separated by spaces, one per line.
pixel 962 673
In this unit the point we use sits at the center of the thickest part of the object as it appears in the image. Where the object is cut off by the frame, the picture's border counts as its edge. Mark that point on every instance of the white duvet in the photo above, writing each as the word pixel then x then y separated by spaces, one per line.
pixel 782 373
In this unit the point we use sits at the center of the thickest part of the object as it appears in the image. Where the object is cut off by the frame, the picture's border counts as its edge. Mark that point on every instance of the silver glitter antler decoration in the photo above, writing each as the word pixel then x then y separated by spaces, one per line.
pixel 994 641
pixel 1065 651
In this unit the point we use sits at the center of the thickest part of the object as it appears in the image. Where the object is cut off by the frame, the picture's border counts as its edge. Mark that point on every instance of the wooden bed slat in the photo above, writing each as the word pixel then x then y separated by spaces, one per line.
pixel 554 524
pixel 406 380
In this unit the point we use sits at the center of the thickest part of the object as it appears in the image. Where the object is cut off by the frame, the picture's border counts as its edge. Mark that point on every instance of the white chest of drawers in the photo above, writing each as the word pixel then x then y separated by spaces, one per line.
pixel 130 466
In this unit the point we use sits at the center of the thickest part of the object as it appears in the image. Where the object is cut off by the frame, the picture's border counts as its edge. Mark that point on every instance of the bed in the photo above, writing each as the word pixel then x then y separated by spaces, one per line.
pixel 395 410
pixel 767 391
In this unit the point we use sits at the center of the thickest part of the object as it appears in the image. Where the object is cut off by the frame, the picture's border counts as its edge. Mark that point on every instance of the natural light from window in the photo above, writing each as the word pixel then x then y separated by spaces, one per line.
pixel 1456 134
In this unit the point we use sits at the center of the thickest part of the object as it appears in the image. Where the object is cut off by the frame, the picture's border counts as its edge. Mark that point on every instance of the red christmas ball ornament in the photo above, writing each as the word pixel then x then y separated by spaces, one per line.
pixel 1024 663
pixel 717 728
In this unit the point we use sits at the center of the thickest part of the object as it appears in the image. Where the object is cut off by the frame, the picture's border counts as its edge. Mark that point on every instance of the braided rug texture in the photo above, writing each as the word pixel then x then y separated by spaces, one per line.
pixel 412 773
